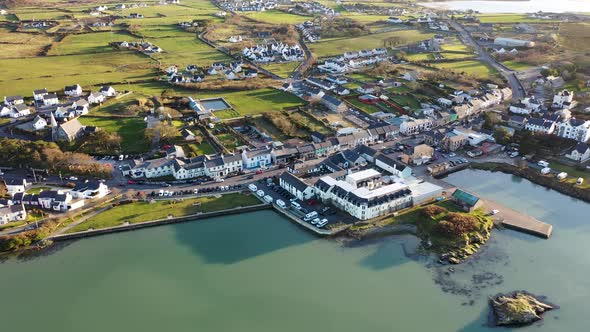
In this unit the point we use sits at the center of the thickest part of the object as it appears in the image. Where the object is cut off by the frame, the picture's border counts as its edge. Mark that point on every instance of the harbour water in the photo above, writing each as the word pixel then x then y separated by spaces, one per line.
pixel 505 6
pixel 259 272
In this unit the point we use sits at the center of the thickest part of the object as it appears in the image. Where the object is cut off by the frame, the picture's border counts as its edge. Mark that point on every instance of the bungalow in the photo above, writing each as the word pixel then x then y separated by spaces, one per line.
pixel 580 153
pixel 235 39
pixel 12 213
pixel 73 90
pixel 90 190
pixel 5 111
pixel 236 66
pixel 337 79
pixel 13 100
pixel 257 158
pixel 96 98
pixel 296 186
pixel 108 91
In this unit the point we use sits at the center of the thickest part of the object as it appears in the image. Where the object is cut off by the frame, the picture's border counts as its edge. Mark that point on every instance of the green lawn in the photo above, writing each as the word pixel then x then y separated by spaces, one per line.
pixel 230 141
pixel 143 211
pixel 573 173
pixel 515 65
pixel 364 107
pixel 131 131
pixel 198 149
pixel 471 67
pixel 406 100
pixel 37 190
pixel 253 101
pixel 335 46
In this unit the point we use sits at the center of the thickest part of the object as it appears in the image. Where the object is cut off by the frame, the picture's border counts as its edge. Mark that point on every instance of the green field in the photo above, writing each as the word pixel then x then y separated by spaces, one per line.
pixel 283 70
pixel 335 46
pixel 143 211
pixel 20 44
pixel 253 101
pixel 277 17
pixel 470 67
pixel 21 76
pixel 131 131
pixel 573 173
pixel 89 43
pixel 515 65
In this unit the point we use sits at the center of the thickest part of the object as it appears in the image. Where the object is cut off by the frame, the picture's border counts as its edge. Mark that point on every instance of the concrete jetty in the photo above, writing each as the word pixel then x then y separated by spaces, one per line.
pixel 515 220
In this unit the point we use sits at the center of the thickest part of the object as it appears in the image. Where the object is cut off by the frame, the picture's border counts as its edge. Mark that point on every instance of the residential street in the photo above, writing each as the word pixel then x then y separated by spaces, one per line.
pixel 518 90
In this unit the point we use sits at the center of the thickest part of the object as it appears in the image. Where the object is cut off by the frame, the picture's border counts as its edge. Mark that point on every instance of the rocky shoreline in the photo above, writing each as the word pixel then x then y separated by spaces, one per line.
pixel 518 308
pixel 537 178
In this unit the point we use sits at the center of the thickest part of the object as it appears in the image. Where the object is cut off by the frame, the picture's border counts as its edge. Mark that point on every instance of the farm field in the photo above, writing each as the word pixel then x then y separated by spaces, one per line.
pixel 131 131
pixel 182 51
pixel 89 43
pixel 277 17
pixel 18 45
pixel 56 72
pixel 575 36
pixel 330 47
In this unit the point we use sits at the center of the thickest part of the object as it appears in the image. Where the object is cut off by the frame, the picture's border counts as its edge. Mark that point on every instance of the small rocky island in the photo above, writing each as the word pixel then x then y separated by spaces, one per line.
pixel 518 309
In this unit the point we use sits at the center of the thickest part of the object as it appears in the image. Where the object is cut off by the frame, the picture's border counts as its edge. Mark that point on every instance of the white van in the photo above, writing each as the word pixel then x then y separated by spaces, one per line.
pixel 310 216
pixel 281 204
pixel 268 199
pixel 253 187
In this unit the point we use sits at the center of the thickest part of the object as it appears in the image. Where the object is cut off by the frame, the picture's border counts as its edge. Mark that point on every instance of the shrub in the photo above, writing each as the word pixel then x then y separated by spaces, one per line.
pixel 433 210
pixel 457 224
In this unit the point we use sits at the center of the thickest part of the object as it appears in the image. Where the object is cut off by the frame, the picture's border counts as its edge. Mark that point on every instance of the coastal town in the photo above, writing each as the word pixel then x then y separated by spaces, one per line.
pixel 344 118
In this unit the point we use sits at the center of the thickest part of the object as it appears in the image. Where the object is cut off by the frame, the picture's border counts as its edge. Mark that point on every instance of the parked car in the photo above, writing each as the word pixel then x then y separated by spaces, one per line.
pixel 260 193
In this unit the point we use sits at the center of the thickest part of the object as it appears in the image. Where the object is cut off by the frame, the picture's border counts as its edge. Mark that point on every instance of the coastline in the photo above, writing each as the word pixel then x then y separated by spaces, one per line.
pixel 537 178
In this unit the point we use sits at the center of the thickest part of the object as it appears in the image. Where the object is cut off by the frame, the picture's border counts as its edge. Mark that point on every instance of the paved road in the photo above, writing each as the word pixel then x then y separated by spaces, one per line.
pixel 518 90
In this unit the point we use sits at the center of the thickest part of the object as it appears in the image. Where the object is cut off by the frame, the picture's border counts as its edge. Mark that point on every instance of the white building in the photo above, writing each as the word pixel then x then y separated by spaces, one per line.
pixel 296 186
pixel 581 153
pixel 257 158
pixel 14 186
pixel 415 126
pixel 540 125
pixel 90 190
pixel 73 90
pixel 12 213
pixel 364 195
pixel 563 99
pixel 573 128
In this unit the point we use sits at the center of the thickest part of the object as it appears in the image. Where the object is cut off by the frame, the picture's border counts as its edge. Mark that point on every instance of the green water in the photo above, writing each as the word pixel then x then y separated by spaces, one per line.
pixel 258 272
